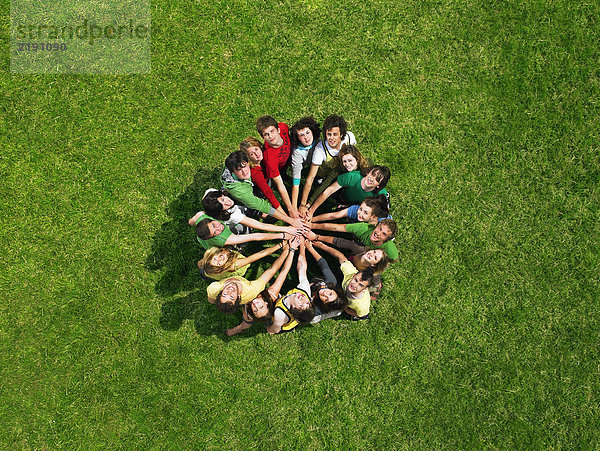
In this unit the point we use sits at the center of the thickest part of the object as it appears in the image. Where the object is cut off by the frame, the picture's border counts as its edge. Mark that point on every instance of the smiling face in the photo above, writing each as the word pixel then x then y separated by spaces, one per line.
pixel 215 228
pixel 259 307
pixel 230 292
pixel 372 257
pixel 356 284
pixel 364 213
pixel 334 137
pixel 381 234
pixel 299 301
pixel 305 136
pixel 327 295
pixel 349 162
pixel 226 202
pixel 371 181
pixel 255 154
pixel 272 136
pixel 219 258
pixel 243 172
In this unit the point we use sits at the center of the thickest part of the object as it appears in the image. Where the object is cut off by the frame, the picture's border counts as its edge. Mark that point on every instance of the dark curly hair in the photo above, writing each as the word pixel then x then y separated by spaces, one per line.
pixel 213 207
pixel 333 120
pixel 305 122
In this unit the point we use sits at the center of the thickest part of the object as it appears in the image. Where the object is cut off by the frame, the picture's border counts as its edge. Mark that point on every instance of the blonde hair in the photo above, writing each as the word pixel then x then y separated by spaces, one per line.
pixel 250 141
pixel 212 270
pixel 352 150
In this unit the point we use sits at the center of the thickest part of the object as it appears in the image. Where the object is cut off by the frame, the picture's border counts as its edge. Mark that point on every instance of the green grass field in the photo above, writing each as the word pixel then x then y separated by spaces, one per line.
pixel 487 332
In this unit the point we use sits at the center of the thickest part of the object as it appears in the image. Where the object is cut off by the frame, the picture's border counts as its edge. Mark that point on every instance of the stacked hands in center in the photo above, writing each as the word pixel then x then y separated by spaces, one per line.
pixel 338 176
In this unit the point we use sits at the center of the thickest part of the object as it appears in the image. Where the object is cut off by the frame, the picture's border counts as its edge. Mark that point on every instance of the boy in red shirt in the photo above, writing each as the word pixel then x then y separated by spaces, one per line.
pixel 276 155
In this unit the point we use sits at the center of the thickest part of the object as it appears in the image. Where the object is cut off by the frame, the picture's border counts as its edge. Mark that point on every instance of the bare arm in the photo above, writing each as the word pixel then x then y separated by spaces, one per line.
pixel 329 226
pixel 310 178
pixel 312 236
pixel 295 193
pixel 296 222
pixel 334 252
pixel 244 238
pixel 275 288
pixel 333 215
pixel 257 256
pixel 269 273
pixel 335 186
pixel 285 197
pixel 241 327
pixel 302 266
pixel 253 223
pixel 193 219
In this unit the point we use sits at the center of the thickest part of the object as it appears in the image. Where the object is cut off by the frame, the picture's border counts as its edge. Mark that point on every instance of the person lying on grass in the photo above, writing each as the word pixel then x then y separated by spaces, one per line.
pixel 228 294
pixel 327 296
pixel 304 137
pixel 295 307
pixel 236 181
pixel 358 186
pixel 253 150
pixel 211 232
pixel 355 284
pixel 335 134
pixel 219 263
pixel 217 204
pixel 371 210
pixel 349 159
pixel 373 237
pixel 261 308
pixel 276 156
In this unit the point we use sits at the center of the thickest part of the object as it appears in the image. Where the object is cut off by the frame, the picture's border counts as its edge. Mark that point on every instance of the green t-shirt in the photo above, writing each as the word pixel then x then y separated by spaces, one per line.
pixel 354 192
pixel 363 231
pixel 219 240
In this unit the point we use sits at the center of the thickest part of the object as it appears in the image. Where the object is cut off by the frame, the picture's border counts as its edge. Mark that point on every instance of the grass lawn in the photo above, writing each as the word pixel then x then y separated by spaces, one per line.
pixel 487 330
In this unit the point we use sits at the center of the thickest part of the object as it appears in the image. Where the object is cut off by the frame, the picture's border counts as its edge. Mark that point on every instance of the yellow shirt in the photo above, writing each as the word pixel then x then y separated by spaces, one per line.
pixel 363 303
pixel 249 289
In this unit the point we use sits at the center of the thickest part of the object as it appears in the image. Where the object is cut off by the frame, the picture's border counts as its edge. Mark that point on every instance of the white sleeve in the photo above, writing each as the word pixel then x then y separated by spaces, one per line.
pixel 351 138
pixel 318 154
pixel 236 216
pixel 304 285
pixel 297 162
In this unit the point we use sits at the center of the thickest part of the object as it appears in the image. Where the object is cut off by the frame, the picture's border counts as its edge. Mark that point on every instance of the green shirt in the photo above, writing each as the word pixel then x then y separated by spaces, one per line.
pixel 354 192
pixel 363 231
pixel 219 240
pixel 241 190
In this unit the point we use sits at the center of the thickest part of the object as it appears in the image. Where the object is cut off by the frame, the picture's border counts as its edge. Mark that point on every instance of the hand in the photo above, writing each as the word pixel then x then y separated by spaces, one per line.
pixel 308 245
pixel 296 222
pixel 318 244
pixel 288 236
pixel 302 210
pixel 295 242
pixel 286 245
pixel 294 213
pixel 308 215
pixel 310 235
pixel 232 331
pixel 293 230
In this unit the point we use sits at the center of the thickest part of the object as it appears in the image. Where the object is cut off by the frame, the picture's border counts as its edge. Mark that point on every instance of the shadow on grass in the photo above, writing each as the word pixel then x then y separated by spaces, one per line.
pixel 174 254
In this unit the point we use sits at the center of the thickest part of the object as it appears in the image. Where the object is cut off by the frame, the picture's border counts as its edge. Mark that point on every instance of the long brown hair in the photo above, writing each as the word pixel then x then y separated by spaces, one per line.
pixel 352 150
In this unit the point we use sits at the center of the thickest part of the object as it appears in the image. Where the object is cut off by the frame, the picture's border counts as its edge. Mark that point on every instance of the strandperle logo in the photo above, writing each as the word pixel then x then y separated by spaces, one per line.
pixel 88 31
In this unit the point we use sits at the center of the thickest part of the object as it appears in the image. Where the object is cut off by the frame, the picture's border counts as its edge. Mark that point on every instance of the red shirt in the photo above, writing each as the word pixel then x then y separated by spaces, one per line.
pixel 258 178
pixel 277 159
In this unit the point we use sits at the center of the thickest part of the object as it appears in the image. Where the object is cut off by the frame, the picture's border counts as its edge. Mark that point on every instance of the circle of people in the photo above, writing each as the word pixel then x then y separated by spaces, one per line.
pixel 338 175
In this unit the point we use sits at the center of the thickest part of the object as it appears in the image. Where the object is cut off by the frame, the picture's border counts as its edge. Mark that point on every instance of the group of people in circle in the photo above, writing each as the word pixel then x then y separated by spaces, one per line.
pixel 340 182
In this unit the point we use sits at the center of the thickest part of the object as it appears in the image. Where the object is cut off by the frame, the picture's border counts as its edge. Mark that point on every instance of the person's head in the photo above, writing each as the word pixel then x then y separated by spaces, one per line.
pixel 350 159
pixel 334 130
pixel 373 208
pixel 301 307
pixel 268 128
pixel 261 308
pixel 216 203
pixel 377 258
pixel 217 260
pixel 328 296
pixel 208 228
pixel 376 177
pixel 360 281
pixel 237 163
pixel 252 147
pixel 384 231
pixel 305 132
pixel 229 298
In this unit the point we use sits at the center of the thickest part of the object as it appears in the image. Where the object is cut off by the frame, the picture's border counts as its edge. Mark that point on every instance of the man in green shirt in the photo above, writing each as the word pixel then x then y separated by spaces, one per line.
pixel 212 232
pixel 373 237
